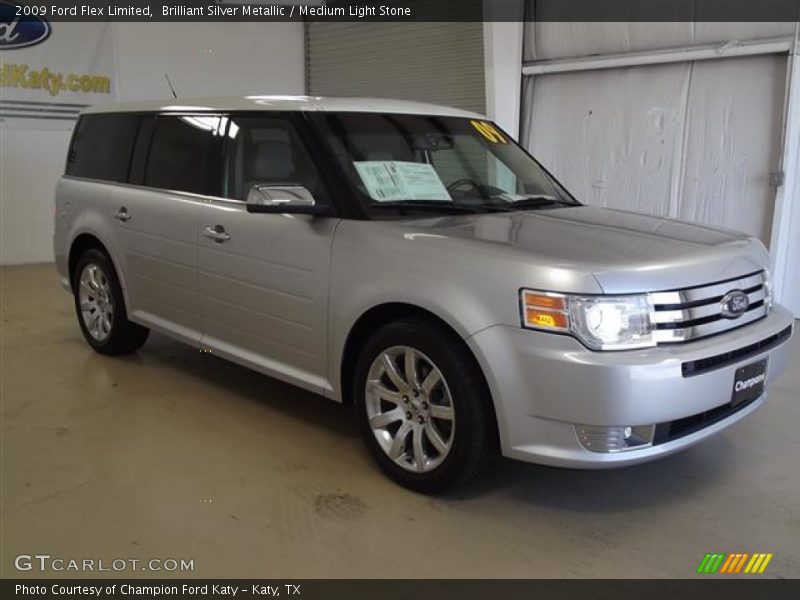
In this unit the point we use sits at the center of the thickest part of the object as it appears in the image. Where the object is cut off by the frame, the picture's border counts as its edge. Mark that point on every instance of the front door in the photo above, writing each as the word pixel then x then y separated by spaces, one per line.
pixel 263 279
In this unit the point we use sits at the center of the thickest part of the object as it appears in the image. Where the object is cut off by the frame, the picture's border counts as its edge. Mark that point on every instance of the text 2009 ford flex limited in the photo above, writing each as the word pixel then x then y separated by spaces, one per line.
pixel 415 261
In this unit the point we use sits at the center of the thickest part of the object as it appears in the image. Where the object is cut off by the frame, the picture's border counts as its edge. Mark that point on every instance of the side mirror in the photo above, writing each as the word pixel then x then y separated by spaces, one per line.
pixel 282 198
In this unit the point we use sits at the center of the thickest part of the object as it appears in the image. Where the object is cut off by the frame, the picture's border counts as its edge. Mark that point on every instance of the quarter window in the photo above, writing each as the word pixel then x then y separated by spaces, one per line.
pixel 101 147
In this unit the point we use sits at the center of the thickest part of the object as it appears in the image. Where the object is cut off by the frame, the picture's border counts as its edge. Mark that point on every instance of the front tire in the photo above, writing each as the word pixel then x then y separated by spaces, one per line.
pixel 100 307
pixel 423 406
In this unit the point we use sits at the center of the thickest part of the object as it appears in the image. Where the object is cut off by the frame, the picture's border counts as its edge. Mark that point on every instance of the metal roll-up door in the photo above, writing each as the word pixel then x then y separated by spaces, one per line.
pixel 430 62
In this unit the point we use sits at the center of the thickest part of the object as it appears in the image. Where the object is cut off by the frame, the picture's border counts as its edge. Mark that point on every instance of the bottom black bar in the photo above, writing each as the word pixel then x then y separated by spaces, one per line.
pixel 709 586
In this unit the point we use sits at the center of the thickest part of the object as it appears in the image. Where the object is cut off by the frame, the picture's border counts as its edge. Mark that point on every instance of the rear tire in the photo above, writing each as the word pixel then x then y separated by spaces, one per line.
pixel 100 307
pixel 423 406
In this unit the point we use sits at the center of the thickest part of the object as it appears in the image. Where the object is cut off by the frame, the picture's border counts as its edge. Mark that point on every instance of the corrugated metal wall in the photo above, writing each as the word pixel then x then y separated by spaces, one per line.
pixel 432 62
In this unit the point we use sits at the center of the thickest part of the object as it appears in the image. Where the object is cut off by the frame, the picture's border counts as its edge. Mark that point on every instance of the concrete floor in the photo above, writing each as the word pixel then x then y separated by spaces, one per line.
pixel 175 454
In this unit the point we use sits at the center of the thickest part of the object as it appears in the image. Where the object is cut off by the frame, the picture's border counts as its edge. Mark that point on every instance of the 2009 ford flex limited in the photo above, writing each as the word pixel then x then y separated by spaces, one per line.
pixel 415 261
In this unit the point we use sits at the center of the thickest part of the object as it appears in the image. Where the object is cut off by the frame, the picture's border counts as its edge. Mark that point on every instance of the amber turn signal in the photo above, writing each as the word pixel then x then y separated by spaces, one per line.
pixel 543 318
pixel 545 311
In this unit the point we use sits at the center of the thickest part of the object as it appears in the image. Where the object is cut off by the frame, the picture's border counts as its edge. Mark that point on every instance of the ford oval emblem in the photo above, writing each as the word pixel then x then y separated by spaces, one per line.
pixel 20 31
pixel 734 304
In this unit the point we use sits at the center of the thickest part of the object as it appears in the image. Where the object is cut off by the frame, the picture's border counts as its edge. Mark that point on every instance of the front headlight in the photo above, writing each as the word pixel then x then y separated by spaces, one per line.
pixel 599 322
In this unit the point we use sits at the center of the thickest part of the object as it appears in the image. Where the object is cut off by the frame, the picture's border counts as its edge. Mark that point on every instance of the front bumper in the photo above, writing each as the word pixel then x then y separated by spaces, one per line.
pixel 544 385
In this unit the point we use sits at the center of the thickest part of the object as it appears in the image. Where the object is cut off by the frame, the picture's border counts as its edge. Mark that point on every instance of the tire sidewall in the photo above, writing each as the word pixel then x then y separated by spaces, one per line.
pixel 466 387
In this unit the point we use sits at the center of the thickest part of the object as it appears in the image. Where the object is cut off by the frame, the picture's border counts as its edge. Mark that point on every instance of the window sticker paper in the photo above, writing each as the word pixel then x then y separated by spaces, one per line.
pixel 389 180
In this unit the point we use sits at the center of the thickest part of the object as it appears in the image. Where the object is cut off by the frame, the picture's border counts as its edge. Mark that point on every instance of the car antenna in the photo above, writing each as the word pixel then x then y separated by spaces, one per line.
pixel 171 87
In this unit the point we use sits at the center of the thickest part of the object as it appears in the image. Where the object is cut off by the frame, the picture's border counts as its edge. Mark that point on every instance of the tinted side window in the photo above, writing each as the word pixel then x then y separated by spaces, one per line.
pixel 266 150
pixel 183 154
pixel 140 150
pixel 101 147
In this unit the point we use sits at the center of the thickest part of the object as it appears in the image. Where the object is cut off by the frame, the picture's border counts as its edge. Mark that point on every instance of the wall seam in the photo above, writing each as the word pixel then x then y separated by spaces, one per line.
pixel 676 194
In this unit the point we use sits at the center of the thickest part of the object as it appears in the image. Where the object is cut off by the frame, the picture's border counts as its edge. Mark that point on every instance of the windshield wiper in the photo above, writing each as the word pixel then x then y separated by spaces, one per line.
pixel 443 206
pixel 534 202
pixel 428 205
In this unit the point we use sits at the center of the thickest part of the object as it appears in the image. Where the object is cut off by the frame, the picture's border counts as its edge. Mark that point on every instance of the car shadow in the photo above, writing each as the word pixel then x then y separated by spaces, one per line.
pixel 605 490
pixel 249 385
pixel 658 482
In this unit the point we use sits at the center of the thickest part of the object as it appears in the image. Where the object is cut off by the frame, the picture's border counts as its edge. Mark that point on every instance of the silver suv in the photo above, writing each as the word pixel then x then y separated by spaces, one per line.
pixel 415 261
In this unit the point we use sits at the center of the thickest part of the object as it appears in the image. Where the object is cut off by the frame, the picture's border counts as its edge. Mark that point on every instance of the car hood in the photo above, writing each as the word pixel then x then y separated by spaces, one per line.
pixel 626 252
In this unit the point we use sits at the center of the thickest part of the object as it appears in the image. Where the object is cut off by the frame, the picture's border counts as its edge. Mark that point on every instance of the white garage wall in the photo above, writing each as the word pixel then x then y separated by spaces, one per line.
pixel 551 40
pixel 502 51
pixel 733 127
pixel 33 150
pixel 202 59
pixel 607 149
pixel 205 59
pixel 790 264
pixel 31 161
pixel 693 141
pixel 719 148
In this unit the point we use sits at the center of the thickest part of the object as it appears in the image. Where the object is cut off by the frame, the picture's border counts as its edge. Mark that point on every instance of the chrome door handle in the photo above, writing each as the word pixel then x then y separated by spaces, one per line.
pixel 123 214
pixel 216 233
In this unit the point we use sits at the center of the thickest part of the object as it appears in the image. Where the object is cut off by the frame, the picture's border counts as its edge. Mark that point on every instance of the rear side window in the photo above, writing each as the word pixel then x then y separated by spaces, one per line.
pixel 183 154
pixel 140 150
pixel 101 147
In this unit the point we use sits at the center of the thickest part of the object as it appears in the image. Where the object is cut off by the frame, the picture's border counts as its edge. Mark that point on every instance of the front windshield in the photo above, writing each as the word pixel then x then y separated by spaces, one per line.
pixel 445 164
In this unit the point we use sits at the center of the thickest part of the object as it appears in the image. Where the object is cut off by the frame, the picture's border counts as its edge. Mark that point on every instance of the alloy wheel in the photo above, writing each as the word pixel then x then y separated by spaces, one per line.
pixel 96 304
pixel 410 409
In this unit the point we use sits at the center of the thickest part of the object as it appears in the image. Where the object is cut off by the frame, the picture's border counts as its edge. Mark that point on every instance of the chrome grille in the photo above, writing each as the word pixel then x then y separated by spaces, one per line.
pixel 694 313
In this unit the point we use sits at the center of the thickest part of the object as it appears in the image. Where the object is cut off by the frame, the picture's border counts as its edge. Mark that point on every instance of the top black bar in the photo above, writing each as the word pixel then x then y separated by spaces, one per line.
pixel 401 10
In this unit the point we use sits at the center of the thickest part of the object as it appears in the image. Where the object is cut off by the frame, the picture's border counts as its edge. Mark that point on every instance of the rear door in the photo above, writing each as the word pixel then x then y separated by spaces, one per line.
pixel 174 167
pixel 263 278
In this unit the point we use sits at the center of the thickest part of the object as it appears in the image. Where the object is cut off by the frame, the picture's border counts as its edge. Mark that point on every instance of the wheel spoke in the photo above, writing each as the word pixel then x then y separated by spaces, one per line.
pixel 435 438
pixel 392 372
pixel 95 325
pixel 419 451
pixel 384 393
pixel 106 324
pixel 430 381
pixel 399 443
pixel 87 288
pixel 92 272
pixel 441 412
pixel 385 419
pixel 410 367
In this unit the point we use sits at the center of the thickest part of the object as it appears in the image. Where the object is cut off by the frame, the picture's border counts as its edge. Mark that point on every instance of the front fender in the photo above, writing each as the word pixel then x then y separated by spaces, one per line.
pixel 468 284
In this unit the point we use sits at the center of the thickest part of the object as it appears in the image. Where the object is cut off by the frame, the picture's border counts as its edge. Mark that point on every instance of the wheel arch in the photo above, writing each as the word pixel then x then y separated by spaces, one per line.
pixel 372 319
pixel 79 246
pixel 84 241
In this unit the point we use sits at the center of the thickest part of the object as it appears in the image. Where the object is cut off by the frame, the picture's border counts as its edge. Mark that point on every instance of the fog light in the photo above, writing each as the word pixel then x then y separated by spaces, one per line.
pixel 616 438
